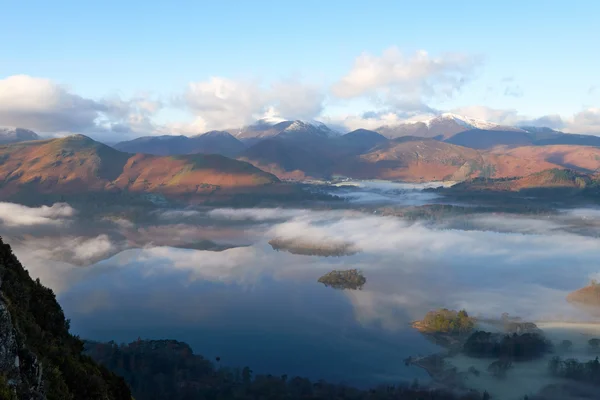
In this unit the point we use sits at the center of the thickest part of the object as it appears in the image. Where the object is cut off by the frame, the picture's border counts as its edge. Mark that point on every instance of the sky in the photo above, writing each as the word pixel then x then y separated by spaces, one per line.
pixel 116 70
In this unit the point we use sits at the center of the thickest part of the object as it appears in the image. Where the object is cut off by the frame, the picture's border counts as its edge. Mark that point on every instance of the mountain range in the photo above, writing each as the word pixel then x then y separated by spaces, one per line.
pixel 447 147
pixel 77 164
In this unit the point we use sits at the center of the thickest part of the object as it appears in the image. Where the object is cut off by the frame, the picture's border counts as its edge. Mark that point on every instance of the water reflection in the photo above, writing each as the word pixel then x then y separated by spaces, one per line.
pixel 255 306
pixel 278 323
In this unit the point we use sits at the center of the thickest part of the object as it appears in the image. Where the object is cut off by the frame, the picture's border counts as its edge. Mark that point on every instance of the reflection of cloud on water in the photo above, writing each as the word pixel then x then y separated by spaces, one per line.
pixel 527 269
pixel 387 186
pixel 14 215
pixel 255 214
pixel 382 192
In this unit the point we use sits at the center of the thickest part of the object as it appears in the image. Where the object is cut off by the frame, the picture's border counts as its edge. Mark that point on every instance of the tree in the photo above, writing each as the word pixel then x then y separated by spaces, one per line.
pixel 594 343
pixel 566 345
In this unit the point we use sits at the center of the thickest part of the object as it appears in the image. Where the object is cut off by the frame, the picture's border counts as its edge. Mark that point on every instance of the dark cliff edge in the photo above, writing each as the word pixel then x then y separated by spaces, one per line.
pixel 39 358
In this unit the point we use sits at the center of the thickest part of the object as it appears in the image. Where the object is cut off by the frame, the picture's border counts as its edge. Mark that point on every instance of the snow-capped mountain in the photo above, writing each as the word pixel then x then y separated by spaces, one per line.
pixel 442 127
pixel 270 127
pixel 11 134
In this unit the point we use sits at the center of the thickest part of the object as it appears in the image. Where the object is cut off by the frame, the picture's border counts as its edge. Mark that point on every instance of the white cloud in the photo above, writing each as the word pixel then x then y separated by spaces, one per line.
pixel 406 82
pixel 178 214
pixel 87 250
pixel 15 215
pixel 586 121
pixel 255 214
pixel 374 120
pixel 43 105
pixel 47 107
pixel 129 116
pixel 221 103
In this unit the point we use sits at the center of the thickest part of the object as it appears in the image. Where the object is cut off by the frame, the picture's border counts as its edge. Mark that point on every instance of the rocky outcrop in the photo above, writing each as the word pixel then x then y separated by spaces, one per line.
pixel 39 358
pixel 22 371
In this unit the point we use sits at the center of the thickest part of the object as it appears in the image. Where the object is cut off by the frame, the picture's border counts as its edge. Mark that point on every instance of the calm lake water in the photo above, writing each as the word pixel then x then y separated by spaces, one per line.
pixel 262 308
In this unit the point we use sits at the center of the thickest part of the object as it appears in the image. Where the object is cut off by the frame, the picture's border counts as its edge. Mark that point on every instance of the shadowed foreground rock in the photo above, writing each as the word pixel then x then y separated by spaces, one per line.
pixel 39 358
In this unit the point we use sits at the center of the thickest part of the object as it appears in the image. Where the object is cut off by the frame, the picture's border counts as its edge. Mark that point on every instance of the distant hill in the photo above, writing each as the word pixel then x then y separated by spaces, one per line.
pixel 9 134
pixel 360 140
pixel 562 179
pixel 480 134
pixel 265 129
pixel 78 164
pixel 366 154
pixel 213 142
pixel 581 158
pixel 487 139
pixel 441 127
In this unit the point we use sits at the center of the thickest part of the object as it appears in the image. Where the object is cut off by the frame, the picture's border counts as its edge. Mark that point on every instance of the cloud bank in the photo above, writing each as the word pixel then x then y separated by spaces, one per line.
pixel 14 215
pixel 376 90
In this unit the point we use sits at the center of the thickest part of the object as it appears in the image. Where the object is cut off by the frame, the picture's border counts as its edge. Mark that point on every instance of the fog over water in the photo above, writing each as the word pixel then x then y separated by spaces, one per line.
pixel 252 305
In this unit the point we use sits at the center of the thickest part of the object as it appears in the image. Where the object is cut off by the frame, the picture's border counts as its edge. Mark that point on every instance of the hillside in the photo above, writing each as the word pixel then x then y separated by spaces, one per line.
pixel 78 164
pixel 563 179
pixel 169 370
pixel 487 139
pixel 214 142
pixel 365 154
pixel 415 159
pixel 39 358
pixel 582 158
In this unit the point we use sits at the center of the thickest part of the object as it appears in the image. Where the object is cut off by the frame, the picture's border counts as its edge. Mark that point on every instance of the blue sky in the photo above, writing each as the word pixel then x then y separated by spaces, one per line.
pixel 525 59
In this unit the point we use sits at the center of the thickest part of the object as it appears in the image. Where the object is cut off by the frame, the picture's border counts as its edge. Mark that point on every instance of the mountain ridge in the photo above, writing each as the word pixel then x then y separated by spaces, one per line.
pixel 78 164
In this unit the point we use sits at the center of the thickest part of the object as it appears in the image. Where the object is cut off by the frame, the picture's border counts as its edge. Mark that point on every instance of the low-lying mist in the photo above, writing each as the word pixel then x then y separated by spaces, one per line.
pixel 152 273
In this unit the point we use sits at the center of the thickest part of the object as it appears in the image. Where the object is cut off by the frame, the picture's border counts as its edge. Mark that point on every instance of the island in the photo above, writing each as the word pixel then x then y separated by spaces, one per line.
pixel 351 279
pixel 310 248
pixel 511 341
pixel 447 328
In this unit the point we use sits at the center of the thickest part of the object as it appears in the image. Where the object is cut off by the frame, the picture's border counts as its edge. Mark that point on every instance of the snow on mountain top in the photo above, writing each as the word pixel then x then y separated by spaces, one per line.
pixel 467 122
pixel 298 125
pixel 13 133
pixel 8 131
pixel 269 120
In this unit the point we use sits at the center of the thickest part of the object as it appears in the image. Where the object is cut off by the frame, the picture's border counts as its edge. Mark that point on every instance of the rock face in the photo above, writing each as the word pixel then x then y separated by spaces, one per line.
pixel 39 358
pixel 21 369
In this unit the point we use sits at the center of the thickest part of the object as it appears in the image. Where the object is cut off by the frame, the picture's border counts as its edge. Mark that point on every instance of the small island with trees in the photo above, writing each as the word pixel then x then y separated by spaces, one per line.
pixel 352 279
pixel 308 248
pixel 447 328
pixel 515 341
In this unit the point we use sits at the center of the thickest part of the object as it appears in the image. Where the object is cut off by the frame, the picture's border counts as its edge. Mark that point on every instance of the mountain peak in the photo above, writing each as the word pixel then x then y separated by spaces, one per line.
pixel 467 122
pixel 11 134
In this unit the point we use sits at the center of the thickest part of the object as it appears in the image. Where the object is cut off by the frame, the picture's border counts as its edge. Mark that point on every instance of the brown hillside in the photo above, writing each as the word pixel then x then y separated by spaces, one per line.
pixel 584 158
pixel 549 179
pixel 78 164
pixel 422 160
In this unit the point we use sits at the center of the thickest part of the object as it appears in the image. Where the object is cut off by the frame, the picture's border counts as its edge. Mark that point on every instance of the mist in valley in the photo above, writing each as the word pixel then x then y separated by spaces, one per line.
pixel 209 276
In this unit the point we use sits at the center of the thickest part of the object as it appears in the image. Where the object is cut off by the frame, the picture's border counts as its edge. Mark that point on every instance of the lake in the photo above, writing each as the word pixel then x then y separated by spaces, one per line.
pixel 252 305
